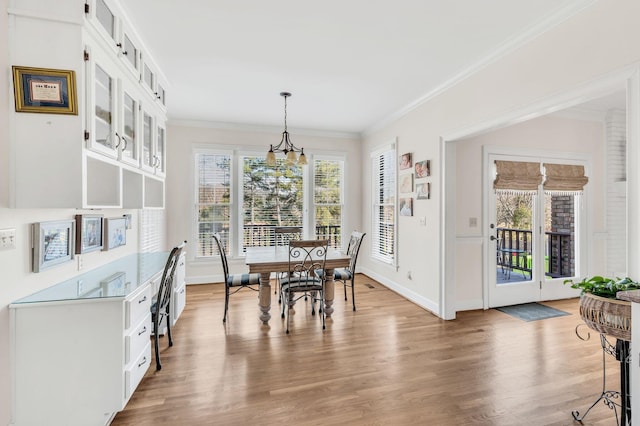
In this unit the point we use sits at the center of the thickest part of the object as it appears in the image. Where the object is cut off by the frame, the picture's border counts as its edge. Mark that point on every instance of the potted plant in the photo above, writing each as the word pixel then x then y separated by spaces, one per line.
pixel 599 307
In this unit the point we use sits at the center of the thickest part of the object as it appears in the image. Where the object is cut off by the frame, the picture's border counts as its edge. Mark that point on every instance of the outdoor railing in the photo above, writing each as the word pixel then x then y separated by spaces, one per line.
pixel 264 236
pixel 514 251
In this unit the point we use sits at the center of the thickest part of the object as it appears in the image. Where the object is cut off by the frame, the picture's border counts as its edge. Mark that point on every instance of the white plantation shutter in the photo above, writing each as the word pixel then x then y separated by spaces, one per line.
pixel 213 201
pixel 383 166
pixel 151 230
pixel 328 200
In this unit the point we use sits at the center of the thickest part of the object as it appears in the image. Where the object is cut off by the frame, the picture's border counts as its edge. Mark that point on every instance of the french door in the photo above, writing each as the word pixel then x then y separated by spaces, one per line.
pixel 534 237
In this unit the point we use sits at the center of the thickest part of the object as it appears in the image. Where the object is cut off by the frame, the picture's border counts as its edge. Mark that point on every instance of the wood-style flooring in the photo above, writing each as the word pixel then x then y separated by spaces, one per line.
pixel 389 363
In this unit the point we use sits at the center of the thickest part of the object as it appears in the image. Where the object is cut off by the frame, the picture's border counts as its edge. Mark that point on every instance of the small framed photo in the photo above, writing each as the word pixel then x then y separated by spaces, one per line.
pixel 127 218
pixel 423 191
pixel 115 233
pixel 406 206
pixel 406 183
pixel 45 90
pixel 53 243
pixel 406 161
pixel 423 169
pixel 88 233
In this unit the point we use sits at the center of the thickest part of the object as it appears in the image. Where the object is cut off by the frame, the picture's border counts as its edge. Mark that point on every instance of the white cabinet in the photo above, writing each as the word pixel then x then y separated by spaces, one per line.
pixel 77 359
pixel 179 297
pixel 93 159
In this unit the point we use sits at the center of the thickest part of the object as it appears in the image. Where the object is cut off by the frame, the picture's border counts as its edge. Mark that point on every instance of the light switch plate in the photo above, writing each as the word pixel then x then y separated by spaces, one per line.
pixel 7 239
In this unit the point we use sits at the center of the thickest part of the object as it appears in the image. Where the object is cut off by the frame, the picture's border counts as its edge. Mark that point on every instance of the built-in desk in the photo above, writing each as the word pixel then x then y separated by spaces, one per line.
pixel 80 347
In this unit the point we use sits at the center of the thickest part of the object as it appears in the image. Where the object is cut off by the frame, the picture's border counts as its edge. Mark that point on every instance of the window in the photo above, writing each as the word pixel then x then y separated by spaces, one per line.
pixel 105 17
pixel 383 166
pixel 271 196
pixel 310 197
pixel 213 200
pixel 327 200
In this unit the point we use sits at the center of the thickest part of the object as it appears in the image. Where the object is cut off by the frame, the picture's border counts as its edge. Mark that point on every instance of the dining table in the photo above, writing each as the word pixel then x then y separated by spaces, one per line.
pixel 275 259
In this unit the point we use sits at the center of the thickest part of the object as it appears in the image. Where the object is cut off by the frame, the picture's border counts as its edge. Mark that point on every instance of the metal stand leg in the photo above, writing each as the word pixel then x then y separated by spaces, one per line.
pixel 608 397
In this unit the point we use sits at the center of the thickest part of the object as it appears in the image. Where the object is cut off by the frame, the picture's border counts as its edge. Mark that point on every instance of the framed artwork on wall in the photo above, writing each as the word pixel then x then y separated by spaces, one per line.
pixel 53 243
pixel 406 206
pixel 88 233
pixel 405 161
pixel 406 183
pixel 115 232
pixel 45 90
pixel 423 191
pixel 423 169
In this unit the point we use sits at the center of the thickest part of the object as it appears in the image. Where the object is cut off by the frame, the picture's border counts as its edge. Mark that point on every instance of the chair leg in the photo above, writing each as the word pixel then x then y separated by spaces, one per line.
pixel 322 314
pixel 344 284
pixel 168 319
pixel 155 338
pixel 353 292
pixel 226 303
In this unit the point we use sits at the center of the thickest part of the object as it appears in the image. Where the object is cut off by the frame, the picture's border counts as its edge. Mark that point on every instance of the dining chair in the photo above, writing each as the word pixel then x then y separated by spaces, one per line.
pixel 347 275
pixel 234 281
pixel 306 258
pixel 284 234
pixel 160 308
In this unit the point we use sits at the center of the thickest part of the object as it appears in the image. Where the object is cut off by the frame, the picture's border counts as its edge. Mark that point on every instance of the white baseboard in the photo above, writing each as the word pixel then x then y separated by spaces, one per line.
pixel 413 297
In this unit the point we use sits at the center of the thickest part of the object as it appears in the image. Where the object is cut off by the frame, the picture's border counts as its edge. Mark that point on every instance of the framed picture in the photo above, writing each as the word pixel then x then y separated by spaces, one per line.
pixel 423 169
pixel 405 161
pixel 53 243
pixel 115 232
pixel 406 183
pixel 406 206
pixel 45 90
pixel 127 218
pixel 88 233
pixel 423 191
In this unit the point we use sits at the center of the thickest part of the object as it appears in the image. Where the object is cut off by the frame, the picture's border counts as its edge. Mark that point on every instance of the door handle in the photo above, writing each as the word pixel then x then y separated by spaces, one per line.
pixel 492 238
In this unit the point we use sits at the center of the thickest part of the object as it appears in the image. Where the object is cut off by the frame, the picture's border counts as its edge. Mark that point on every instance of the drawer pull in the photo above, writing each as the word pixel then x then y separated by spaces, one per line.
pixel 144 330
pixel 143 362
pixel 144 299
pixel 182 291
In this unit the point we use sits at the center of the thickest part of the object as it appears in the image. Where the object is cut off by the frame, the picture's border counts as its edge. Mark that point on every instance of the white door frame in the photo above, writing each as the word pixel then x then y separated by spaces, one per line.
pixel 629 78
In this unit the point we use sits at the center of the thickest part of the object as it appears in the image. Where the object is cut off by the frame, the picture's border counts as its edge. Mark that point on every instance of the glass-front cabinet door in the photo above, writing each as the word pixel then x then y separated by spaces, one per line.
pixel 101 105
pixel 128 149
pixel 160 154
pixel 147 142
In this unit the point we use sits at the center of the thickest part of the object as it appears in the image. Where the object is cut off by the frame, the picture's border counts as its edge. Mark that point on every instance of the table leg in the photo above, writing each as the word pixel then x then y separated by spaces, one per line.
pixel 265 297
pixel 329 292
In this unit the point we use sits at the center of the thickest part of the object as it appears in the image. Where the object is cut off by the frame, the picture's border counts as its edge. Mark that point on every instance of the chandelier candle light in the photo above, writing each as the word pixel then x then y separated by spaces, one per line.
pixel 289 149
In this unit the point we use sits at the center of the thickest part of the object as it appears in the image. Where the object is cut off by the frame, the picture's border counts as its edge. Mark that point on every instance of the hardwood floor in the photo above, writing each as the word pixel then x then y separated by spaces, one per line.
pixel 389 363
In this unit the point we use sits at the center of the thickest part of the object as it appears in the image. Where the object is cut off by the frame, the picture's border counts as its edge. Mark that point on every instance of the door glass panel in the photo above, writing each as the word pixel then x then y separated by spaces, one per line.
pixel 147 141
pixel 132 52
pixel 160 149
pixel 103 113
pixel 560 219
pixel 161 94
pixel 105 17
pixel 130 109
pixel 514 220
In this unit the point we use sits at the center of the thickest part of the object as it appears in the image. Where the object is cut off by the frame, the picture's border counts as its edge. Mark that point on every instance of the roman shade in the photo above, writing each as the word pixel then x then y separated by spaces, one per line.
pixel 517 176
pixel 564 178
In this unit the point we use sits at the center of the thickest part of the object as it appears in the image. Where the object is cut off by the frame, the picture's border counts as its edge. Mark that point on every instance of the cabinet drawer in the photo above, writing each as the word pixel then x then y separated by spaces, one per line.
pixel 137 308
pixel 179 300
pixel 136 341
pixel 134 374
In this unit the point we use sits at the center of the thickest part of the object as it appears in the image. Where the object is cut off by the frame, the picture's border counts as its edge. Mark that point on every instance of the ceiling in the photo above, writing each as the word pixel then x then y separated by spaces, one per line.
pixel 350 64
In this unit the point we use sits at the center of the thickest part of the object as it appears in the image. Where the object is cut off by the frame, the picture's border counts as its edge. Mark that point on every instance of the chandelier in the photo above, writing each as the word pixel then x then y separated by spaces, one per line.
pixel 286 146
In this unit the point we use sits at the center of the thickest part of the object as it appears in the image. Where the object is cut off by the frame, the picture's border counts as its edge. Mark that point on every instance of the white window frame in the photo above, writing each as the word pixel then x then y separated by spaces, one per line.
pixel 375 188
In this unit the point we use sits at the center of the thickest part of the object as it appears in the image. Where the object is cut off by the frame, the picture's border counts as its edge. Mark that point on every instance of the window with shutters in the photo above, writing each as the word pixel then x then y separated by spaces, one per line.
pixel 328 175
pixel 383 166
pixel 213 201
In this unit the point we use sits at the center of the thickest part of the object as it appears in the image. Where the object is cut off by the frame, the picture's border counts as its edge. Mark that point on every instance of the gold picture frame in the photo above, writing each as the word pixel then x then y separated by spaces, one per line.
pixel 44 90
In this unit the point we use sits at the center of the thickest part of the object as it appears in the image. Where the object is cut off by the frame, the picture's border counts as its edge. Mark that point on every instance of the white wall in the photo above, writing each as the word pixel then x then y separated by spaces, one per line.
pixel 183 137
pixel 599 40
pixel 549 134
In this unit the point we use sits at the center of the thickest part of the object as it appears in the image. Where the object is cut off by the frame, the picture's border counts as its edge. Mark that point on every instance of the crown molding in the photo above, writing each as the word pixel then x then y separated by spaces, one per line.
pixel 503 50
pixel 256 128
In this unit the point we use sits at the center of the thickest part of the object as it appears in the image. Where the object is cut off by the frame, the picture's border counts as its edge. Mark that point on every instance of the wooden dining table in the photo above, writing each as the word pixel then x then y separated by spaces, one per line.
pixel 268 260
